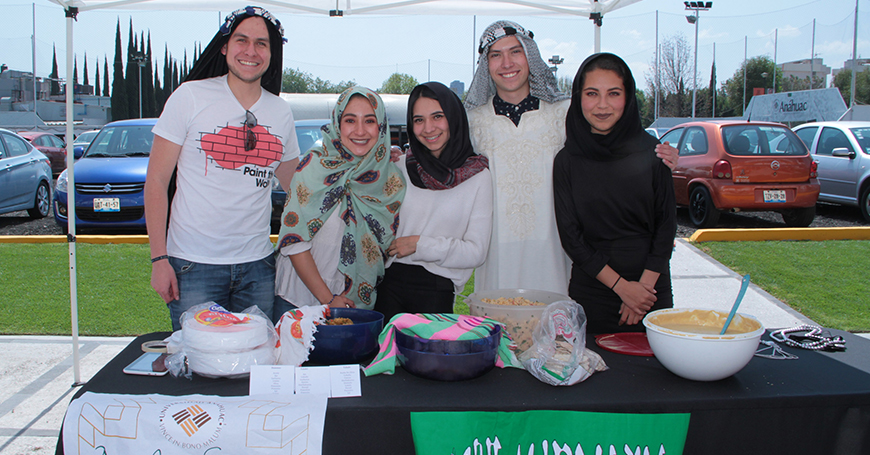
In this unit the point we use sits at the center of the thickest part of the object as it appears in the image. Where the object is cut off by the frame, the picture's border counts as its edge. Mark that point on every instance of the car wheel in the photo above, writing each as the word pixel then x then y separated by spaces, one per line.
pixel 864 203
pixel 41 203
pixel 702 212
pixel 799 217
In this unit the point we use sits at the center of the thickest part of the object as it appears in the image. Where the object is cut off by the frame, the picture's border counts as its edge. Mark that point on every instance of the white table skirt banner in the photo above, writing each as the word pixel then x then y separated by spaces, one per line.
pixel 194 424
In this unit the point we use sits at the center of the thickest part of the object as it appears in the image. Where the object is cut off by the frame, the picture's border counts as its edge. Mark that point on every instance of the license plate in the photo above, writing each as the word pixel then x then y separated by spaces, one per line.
pixel 774 195
pixel 110 204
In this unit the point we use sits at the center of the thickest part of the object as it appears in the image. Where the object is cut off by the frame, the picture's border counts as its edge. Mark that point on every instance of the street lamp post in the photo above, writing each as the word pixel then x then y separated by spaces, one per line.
pixel 556 61
pixel 139 58
pixel 697 7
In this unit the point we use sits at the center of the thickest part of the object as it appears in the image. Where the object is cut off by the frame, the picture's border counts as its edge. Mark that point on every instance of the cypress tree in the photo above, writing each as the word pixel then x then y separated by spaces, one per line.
pixel 105 76
pixel 167 74
pixel 159 95
pixel 97 79
pixel 55 86
pixel 75 72
pixel 148 81
pixel 184 67
pixel 131 77
pixel 85 71
pixel 119 87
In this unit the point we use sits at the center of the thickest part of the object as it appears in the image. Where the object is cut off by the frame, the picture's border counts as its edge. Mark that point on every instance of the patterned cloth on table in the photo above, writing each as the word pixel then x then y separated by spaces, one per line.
pixel 439 326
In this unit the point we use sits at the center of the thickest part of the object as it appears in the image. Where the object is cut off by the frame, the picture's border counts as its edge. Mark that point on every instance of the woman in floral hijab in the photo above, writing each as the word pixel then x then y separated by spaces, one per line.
pixel 341 212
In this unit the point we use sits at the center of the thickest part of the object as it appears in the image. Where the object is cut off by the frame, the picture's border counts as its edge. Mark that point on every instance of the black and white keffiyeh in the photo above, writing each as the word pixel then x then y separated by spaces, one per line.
pixel 542 82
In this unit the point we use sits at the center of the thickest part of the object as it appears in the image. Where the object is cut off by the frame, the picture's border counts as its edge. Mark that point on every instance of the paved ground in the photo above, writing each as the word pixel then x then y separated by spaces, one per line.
pixel 36 373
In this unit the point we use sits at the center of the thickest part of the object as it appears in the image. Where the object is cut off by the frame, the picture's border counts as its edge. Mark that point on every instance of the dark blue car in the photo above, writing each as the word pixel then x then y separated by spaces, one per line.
pixel 109 179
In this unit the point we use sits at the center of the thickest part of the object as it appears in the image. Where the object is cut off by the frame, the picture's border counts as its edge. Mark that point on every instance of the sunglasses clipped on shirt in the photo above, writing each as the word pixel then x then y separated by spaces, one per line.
pixel 250 135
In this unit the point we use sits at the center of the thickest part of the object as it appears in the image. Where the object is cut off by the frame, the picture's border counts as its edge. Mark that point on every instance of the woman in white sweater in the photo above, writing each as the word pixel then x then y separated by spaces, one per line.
pixel 446 217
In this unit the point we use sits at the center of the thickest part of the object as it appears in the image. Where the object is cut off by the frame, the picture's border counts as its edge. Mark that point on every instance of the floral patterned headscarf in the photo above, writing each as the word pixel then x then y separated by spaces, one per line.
pixel 367 191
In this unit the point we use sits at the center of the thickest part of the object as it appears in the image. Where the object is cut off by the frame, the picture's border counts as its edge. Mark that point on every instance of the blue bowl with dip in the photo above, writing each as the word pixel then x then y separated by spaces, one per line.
pixel 347 344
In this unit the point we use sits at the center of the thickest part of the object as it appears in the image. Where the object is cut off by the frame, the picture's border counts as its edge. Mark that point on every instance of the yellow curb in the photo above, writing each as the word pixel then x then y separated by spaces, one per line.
pixel 749 235
pixel 101 239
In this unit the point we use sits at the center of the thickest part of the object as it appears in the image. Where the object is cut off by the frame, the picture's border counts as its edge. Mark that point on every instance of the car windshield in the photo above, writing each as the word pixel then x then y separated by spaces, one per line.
pixel 763 140
pixel 307 137
pixel 863 137
pixel 86 138
pixel 122 141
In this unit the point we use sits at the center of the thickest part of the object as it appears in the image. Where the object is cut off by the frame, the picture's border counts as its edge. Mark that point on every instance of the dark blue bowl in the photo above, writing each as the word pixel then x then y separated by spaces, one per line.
pixel 447 367
pixel 452 347
pixel 343 344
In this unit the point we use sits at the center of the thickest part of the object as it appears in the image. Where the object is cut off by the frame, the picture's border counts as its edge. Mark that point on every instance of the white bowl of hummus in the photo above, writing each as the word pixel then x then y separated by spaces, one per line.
pixel 687 342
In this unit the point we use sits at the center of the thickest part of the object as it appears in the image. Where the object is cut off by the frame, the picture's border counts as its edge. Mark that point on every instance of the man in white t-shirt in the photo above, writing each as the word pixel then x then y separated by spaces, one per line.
pixel 226 133
pixel 516 114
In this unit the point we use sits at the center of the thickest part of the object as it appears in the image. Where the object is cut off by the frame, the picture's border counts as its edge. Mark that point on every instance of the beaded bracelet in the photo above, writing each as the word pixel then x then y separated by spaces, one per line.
pixel 159 258
pixel 809 337
pixel 332 299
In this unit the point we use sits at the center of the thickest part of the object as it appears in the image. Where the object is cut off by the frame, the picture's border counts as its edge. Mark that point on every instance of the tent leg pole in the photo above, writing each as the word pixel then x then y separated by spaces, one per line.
pixel 70 120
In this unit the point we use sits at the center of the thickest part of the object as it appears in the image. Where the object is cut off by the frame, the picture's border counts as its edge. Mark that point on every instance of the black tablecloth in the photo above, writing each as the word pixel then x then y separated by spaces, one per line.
pixel 817 404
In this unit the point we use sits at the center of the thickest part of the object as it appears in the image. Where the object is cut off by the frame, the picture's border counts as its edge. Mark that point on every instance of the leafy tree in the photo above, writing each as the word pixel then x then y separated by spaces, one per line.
pixel 55 86
pixel 674 72
pixel 565 84
pixel 843 81
pixel 119 86
pixel 645 107
pixel 298 81
pixel 794 83
pixel 758 71
pixel 398 83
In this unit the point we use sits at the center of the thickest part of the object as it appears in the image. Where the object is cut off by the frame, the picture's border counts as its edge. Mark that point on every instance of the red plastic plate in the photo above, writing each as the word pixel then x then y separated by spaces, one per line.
pixel 628 343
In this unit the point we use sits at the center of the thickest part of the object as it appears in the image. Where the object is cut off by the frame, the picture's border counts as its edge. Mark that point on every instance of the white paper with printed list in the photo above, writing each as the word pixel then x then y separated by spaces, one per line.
pixel 335 381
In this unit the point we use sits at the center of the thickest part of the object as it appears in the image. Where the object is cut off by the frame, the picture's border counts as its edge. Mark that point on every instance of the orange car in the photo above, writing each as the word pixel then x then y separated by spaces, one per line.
pixel 743 166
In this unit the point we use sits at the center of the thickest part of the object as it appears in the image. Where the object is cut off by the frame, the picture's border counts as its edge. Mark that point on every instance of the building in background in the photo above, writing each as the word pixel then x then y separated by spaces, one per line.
pixel 803 69
pixel 17 101
pixel 458 88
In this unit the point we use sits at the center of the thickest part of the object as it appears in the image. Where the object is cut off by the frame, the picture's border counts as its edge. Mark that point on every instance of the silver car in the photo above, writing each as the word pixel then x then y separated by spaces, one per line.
pixel 842 150
pixel 25 177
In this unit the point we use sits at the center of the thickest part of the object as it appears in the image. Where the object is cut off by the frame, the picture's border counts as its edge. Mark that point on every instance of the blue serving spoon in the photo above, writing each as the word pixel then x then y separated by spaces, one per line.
pixel 743 286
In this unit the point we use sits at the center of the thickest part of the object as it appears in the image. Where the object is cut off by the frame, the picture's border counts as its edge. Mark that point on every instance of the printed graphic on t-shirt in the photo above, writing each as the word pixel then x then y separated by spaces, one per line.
pixel 227 149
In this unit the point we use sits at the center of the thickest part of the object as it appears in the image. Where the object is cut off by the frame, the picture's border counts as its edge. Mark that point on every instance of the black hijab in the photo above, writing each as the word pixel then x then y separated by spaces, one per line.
pixel 627 135
pixel 212 63
pixel 457 161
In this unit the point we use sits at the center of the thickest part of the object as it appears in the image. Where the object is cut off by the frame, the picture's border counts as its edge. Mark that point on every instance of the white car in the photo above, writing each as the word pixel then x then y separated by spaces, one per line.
pixel 842 150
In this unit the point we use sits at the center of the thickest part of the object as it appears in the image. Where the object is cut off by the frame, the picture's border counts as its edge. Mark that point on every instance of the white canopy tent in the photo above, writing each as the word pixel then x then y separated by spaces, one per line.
pixel 593 9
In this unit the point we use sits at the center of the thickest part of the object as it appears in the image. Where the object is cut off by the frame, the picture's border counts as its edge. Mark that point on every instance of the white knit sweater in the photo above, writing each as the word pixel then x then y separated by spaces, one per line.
pixel 454 226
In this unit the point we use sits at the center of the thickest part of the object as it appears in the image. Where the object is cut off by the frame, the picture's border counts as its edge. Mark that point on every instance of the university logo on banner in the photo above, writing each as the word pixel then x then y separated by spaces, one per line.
pixel 548 432
pixel 192 425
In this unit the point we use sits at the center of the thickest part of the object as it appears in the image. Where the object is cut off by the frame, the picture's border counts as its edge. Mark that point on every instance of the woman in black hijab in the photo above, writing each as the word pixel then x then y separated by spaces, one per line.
pixel 614 202
pixel 446 217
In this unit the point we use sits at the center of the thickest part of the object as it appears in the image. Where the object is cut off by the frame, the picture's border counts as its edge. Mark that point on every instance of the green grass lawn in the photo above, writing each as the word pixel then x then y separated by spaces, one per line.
pixel 826 281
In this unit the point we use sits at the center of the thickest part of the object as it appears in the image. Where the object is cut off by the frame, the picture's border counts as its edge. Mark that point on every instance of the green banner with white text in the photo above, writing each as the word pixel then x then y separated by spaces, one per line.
pixel 548 432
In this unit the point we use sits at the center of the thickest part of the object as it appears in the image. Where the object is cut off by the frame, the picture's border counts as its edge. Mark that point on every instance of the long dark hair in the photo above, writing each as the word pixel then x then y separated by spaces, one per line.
pixel 212 62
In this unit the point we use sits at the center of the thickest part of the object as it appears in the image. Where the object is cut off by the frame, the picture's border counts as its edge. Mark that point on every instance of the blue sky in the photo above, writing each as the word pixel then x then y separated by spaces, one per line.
pixel 367 49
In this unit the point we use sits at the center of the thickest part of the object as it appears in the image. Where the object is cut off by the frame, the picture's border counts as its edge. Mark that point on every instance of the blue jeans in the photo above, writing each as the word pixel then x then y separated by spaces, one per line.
pixel 234 287
pixel 281 306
